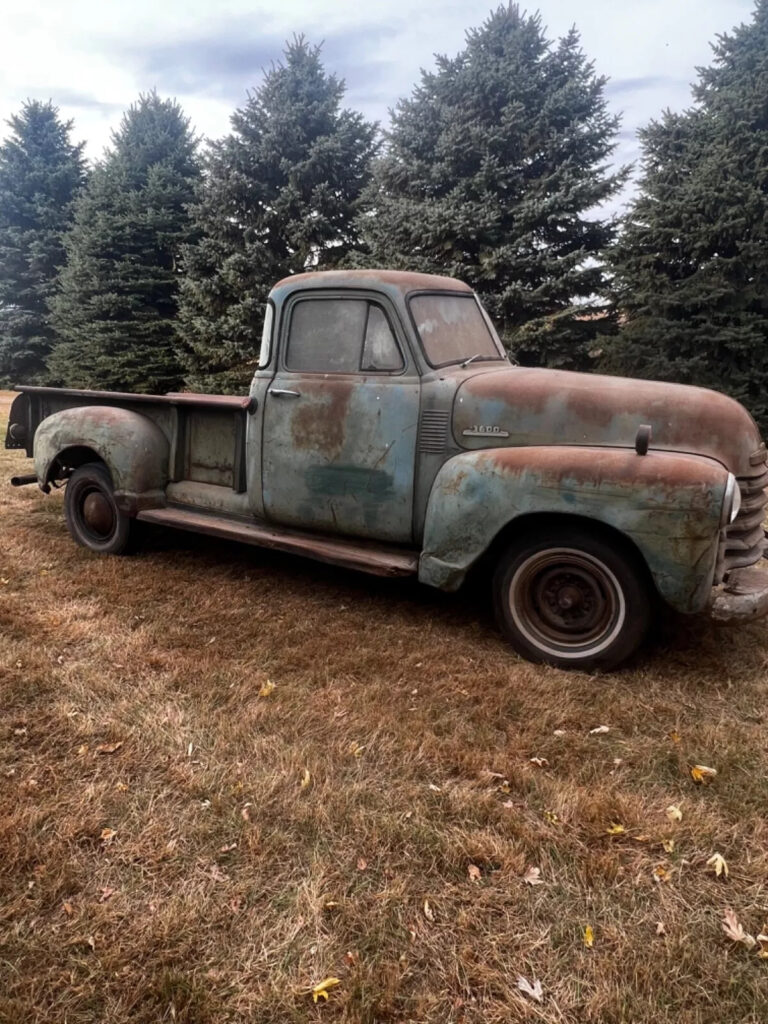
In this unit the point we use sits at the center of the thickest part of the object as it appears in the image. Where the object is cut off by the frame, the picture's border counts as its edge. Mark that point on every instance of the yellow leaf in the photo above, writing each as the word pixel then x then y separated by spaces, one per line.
pixel 355 749
pixel 661 874
pixel 474 872
pixel 718 864
pixel 551 817
pixel 674 813
pixel 108 834
pixel 589 937
pixel 675 736
pixel 306 778
pixel 614 829
pixel 121 787
pixel 264 691
pixel 702 774
pixel 321 990
pixel 668 844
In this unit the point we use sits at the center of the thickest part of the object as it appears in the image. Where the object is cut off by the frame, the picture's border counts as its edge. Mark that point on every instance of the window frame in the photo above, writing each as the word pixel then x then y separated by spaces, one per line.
pixel 370 299
pixel 269 344
pixel 454 293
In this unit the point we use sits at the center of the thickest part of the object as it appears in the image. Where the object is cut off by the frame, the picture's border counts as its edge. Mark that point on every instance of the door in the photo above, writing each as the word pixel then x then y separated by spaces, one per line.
pixel 340 420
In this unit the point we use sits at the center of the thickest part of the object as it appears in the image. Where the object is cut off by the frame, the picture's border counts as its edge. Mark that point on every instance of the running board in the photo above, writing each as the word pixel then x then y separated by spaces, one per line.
pixel 378 559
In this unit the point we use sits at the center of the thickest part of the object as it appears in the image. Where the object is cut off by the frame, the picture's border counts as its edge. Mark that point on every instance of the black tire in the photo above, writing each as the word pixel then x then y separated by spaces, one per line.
pixel 93 518
pixel 572 598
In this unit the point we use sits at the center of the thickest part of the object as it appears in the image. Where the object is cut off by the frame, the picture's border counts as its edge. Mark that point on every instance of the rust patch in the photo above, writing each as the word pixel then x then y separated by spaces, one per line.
pixel 320 423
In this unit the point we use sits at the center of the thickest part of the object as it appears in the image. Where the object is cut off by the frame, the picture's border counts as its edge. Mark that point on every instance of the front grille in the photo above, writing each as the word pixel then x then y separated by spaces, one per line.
pixel 744 540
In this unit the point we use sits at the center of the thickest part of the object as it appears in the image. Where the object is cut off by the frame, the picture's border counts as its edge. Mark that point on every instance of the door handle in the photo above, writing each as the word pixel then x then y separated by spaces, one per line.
pixel 284 392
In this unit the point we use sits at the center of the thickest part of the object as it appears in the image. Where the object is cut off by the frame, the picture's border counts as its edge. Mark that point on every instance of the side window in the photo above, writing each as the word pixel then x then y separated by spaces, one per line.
pixel 326 335
pixel 380 351
pixel 341 336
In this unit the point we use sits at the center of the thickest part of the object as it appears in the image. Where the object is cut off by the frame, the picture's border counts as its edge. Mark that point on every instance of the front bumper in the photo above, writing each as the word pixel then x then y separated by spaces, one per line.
pixel 743 597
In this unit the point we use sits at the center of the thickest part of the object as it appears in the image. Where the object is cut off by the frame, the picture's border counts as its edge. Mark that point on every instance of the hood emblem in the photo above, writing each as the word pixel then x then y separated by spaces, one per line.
pixel 483 431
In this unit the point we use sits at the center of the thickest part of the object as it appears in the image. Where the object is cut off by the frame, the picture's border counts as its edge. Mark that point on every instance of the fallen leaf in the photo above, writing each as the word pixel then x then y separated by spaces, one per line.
pixel 702 774
pixel 245 814
pixel 533 990
pixel 321 990
pixel 67 908
pixel 264 691
pixel 660 929
pixel 350 958
pixel 533 876
pixel 121 787
pixel 108 834
pixel 589 937
pixel 306 778
pixel 109 748
pixel 733 929
pixel 642 838
pixel 674 735
pixel 763 951
pixel 504 787
pixel 362 863
pixel 82 750
pixel 540 762
pixel 227 847
pixel 718 864
pixel 559 732
pixel 474 872
pixel 551 817
pixel 508 804
pixel 615 829
pixel 428 911
pixel 661 874
pixel 355 749
pixel 434 788
pixel 104 894
pixel 668 844
pixel 599 730
pixel 20 732
pixel 674 813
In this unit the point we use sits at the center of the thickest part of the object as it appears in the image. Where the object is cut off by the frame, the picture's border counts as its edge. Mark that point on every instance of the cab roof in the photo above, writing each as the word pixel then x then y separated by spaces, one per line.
pixel 402 281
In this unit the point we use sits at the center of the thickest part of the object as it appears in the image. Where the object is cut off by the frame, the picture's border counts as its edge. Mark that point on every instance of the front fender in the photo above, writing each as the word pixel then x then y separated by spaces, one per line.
pixel 668 504
pixel 133 448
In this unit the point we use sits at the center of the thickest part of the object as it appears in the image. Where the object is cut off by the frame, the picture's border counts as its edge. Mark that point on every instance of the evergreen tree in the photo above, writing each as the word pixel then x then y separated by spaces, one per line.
pixel 692 262
pixel 118 300
pixel 41 173
pixel 280 197
pixel 493 169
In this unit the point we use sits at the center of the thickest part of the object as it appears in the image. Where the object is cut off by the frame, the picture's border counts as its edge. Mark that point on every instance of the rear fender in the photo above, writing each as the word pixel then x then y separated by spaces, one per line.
pixel 667 504
pixel 133 448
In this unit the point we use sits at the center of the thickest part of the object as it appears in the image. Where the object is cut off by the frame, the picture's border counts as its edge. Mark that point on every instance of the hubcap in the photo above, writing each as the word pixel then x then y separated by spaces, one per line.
pixel 98 514
pixel 566 602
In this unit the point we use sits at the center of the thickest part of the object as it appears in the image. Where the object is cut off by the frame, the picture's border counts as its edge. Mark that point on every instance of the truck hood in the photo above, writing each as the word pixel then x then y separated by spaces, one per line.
pixel 522 406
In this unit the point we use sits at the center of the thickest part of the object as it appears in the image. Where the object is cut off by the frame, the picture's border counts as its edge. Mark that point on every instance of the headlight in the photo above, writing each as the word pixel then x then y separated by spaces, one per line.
pixel 731 501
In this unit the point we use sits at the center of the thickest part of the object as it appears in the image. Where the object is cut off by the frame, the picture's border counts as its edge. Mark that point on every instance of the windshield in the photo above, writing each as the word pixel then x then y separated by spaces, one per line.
pixel 452 328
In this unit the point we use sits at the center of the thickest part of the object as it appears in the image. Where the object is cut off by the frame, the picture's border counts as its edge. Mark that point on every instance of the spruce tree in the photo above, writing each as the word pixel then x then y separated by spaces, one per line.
pixel 280 197
pixel 41 173
pixel 492 172
pixel 692 262
pixel 117 305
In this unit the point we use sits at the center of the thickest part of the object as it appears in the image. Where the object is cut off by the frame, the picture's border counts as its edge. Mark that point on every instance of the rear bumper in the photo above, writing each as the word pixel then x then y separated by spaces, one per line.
pixel 743 597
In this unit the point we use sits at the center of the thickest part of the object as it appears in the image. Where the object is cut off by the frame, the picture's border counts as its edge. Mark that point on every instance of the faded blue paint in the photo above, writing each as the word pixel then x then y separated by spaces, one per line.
pixel 668 505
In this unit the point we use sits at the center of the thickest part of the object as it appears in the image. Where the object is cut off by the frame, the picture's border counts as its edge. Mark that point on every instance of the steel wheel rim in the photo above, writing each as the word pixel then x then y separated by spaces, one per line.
pixel 566 603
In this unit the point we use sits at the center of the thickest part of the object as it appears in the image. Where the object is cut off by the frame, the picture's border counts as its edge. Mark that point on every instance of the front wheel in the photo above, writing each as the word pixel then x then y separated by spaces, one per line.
pixel 572 599
pixel 93 518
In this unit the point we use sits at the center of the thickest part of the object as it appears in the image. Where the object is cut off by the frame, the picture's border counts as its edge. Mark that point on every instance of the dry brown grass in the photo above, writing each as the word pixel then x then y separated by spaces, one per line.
pixel 399 702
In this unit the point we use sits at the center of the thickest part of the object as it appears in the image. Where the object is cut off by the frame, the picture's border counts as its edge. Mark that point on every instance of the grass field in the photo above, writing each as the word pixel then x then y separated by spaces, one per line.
pixel 180 841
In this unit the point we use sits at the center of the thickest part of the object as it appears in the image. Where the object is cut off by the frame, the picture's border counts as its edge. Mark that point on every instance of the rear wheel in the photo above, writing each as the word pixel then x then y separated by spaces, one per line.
pixel 93 518
pixel 572 599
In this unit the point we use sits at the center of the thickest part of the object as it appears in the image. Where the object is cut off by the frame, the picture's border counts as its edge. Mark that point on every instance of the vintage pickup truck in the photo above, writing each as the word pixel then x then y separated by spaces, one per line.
pixel 387 431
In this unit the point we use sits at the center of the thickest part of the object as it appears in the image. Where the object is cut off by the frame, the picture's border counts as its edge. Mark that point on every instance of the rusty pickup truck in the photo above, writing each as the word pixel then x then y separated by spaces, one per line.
pixel 387 431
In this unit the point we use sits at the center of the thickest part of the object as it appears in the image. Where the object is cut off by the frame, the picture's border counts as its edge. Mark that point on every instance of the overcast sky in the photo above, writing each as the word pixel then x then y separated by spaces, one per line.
pixel 93 57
